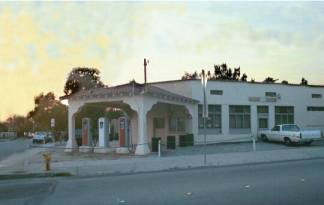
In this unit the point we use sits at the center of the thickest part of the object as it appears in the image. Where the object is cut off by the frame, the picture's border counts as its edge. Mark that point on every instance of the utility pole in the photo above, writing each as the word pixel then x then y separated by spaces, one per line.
pixel 205 115
pixel 146 62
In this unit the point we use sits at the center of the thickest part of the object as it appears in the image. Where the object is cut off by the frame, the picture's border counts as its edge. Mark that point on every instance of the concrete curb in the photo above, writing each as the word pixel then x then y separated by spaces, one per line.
pixel 145 165
pixel 151 164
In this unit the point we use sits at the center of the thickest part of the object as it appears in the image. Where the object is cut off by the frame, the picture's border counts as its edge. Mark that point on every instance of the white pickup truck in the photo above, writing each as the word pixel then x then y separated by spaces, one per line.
pixel 290 134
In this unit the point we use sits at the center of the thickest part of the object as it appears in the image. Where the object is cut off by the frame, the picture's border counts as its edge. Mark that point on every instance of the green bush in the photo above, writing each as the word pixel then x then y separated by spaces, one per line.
pixel 171 142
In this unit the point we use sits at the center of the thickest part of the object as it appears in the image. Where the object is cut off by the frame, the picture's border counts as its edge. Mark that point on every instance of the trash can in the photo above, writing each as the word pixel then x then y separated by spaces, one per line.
pixel 155 143
pixel 171 142
pixel 190 140
pixel 183 140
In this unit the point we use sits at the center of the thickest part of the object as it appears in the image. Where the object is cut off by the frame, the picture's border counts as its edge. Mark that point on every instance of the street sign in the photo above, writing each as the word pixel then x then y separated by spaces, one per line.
pixel 52 122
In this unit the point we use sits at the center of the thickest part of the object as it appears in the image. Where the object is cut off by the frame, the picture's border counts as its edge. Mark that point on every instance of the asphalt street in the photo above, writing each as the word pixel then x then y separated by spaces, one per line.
pixel 296 182
pixel 8 148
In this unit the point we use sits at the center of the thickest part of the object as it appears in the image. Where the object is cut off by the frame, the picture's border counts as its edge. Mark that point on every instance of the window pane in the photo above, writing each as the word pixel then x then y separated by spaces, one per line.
pixel 200 116
pixel 239 116
pixel 232 121
pixel 158 123
pixel 181 124
pixel 290 119
pixel 284 115
pixel 316 95
pixel 173 124
pixel 246 121
pixel 216 92
pixel 263 109
pixel 270 94
pixel 263 123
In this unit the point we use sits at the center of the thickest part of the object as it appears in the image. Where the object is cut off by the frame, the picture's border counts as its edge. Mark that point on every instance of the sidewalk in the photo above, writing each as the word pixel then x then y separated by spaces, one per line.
pixel 91 167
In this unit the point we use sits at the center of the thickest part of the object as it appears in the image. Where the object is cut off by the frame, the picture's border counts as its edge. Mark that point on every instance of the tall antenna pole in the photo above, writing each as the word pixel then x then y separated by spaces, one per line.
pixel 145 64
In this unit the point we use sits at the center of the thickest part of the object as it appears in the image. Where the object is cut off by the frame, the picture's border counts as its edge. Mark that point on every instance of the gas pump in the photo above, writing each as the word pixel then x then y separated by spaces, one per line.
pixel 86 135
pixel 103 126
pixel 124 135
pixel 86 132
pixel 122 131
pixel 103 131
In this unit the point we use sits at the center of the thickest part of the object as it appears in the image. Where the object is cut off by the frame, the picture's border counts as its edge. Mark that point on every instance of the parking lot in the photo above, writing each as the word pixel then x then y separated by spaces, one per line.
pixel 234 147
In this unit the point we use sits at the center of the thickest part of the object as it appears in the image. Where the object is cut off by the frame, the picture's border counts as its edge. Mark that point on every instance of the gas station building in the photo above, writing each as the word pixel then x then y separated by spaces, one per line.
pixel 236 110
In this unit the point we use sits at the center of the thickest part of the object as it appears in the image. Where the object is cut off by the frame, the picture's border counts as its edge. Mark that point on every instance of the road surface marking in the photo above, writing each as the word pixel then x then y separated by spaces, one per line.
pixel 247 186
pixel 188 193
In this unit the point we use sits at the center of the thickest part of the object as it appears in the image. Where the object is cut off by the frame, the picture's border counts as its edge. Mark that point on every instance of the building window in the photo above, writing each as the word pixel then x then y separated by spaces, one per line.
pixel 263 109
pixel 158 123
pixel 177 124
pixel 239 116
pixel 312 108
pixel 284 115
pixel 270 94
pixel 214 117
pixel 316 95
pixel 216 92
pixel 263 123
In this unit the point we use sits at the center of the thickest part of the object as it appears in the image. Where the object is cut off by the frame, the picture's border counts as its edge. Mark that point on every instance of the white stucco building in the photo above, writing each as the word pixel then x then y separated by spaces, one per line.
pixel 236 109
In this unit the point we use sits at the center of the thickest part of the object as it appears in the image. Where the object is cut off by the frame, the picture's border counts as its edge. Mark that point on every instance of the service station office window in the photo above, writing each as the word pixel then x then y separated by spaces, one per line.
pixel 270 94
pixel 177 124
pixel 216 92
pixel 284 115
pixel 239 117
pixel 316 95
pixel 315 109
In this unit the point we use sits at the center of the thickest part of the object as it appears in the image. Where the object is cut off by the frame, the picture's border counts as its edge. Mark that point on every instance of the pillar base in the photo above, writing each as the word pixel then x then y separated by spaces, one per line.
pixel 85 149
pixel 71 149
pixel 122 150
pixel 71 146
pixel 103 150
pixel 142 149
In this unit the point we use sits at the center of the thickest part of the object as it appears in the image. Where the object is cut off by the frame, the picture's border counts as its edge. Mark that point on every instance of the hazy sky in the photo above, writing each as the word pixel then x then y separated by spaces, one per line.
pixel 41 42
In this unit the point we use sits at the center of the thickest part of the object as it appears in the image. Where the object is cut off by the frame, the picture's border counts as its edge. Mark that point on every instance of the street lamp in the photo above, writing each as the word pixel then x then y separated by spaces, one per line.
pixel 205 110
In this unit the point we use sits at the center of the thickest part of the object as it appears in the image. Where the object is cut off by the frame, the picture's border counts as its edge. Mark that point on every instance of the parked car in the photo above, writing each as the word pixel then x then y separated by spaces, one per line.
pixel 42 137
pixel 290 134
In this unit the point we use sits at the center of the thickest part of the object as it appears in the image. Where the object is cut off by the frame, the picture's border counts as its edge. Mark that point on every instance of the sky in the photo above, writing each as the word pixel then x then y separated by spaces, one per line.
pixel 42 41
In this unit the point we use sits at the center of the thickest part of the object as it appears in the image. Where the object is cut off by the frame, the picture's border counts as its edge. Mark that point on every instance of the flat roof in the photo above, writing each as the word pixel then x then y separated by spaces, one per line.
pixel 238 81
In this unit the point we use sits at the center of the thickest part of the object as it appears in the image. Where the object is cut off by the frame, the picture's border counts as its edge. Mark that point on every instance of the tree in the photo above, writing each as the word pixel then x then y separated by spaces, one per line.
pixel 304 81
pixel 19 124
pixel 82 78
pixel 221 72
pixel 237 74
pixel 47 107
pixel 284 82
pixel 188 76
pixel 270 80
pixel 3 127
pixel 244 77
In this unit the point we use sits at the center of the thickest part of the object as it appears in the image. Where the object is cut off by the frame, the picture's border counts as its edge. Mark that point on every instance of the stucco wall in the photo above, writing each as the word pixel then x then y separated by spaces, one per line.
pixel 238 93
